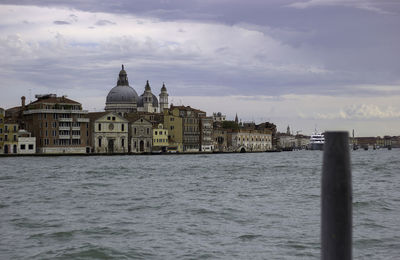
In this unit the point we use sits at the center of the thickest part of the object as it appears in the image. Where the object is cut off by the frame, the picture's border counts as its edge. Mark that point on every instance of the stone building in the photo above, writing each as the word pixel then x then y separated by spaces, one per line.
pixel 141 135
pixel 124 99
pixel 26 143
pixel 218 117
pixel 220 138
pixel 251 140
pixel 160 139
pixel 58 123
pixel 108 133
pixel 2 115
pixel 10 137
pixel 173 123
pixel 190 127
pixel 206 134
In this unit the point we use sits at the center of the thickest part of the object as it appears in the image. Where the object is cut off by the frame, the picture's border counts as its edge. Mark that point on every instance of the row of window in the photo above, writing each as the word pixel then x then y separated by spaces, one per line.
pixel 110 126
pixel 61 142
pixel 156 132
pixel 23 147
pixel 6 130
pixel 6 138
pixel 160 140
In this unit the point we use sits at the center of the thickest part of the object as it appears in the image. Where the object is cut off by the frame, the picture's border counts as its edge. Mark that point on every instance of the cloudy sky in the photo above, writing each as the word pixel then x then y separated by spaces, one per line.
pixel 326 64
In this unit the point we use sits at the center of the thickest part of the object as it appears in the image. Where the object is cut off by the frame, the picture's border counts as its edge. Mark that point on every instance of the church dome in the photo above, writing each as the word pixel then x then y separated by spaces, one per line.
pixel 140 103
pixel 122 93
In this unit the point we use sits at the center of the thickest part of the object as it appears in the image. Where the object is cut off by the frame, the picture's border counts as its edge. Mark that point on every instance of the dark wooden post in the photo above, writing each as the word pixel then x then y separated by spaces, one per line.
pixel 336 198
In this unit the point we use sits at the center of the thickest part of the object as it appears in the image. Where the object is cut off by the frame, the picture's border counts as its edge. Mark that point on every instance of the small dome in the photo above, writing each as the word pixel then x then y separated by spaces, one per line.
pixel 140 103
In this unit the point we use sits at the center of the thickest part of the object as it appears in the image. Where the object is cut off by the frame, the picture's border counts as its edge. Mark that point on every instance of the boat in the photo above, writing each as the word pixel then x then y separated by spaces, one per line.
pixel 317 141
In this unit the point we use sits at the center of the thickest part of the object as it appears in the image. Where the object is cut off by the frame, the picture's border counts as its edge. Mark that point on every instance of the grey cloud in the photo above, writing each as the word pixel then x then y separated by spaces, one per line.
pixel 61 22
pixel 104 23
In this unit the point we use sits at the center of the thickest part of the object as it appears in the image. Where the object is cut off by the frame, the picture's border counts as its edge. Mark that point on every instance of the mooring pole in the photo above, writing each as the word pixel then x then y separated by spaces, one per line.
pixel 336 198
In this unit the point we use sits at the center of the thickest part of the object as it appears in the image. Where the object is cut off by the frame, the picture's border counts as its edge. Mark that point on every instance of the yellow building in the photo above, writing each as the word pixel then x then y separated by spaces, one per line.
pixel 2 113
pixel 10 137
pixel 173 123
pixel 160 138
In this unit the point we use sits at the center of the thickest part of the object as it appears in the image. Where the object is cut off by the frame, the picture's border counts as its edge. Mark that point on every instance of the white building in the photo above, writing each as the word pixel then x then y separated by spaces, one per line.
pixel 26 143
pixel 251 140
pixel 109 133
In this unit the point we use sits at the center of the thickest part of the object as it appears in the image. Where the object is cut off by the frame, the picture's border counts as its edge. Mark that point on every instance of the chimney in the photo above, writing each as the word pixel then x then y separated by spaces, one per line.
pixel 23 102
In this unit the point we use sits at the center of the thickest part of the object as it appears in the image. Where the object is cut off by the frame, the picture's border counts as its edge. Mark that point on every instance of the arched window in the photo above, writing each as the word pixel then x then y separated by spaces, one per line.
pixel 100 141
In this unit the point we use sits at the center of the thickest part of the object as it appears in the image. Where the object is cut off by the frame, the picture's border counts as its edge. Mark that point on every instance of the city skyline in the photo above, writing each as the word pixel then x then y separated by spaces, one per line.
pixel 308 64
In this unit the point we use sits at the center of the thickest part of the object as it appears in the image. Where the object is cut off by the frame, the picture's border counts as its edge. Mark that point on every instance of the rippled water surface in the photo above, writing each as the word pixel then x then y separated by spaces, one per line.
pixel 223 206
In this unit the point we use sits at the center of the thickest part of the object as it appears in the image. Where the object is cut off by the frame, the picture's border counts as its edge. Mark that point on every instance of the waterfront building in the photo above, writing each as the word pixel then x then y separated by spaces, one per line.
pixel 141 136
pixel 26 143
pixel 10 136
pixel 2 115
pixel 160 139
pixel 173 123
pixel 286 141
pixel 190 127
pixel 218 117
pixel 206 134
pixel 124 99
pixel 108 133
pixel 220 138
pixel 302 141
pixel 58 123
pixel 250 140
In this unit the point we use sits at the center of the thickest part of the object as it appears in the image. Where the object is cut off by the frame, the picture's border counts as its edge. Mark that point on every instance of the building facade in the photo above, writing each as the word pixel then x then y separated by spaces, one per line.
pixel 206 134
pixel 108 133
pixel 26 143
pixel 2 115
pixel 251 140
pixel 58 123
pixel 160 139
pixel 10 137
pixel 141 135
pixel 173 123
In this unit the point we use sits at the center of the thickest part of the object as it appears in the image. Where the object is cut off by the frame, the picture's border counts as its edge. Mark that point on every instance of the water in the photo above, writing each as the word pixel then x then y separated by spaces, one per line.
pixel 223 206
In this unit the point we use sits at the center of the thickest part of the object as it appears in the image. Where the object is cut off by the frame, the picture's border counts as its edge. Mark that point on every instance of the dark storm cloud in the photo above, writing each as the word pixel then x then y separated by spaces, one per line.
pixel 61 22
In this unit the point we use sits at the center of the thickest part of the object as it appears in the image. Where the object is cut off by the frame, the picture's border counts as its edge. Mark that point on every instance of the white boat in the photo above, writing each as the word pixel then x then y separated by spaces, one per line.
pixel 317 141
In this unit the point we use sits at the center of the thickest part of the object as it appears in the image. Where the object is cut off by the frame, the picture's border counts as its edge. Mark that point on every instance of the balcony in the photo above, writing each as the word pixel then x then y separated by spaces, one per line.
pixel 65 119
pixel 76 137
pixel 65 128
pixel 76 128
pixel 83 120
pixel 64 137
pixel 52 111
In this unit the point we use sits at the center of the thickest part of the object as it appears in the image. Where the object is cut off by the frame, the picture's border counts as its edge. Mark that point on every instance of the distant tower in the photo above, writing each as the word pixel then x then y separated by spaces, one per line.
pixel 288 130
pixel 163 98
pixel 236 119
pixel 147 98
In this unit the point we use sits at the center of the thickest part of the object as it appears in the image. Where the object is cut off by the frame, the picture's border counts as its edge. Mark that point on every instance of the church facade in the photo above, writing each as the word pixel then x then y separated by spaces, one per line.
pixel 124 99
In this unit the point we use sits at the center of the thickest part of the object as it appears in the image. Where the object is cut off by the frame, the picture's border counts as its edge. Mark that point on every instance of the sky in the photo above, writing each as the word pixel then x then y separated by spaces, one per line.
pixel 309 64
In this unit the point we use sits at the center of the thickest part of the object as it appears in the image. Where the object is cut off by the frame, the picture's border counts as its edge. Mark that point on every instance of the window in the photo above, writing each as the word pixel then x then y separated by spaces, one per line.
pixel 113 118
pixel 108 118
pixel 30 147
pixel 99 141
pixel 155 132
pixel 54 124
pixel 99 127
pixel 148 130
pixel 172 127
pixel 134 131
pixel 1 130
pixel 134 145
pixel 15 128
pixel 123 127
pixel 15 138
pixel 123 142
pixel 148 144
pixel 22 147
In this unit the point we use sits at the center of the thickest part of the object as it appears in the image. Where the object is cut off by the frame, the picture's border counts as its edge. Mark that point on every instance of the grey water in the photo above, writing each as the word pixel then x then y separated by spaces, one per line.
pixel 217 206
